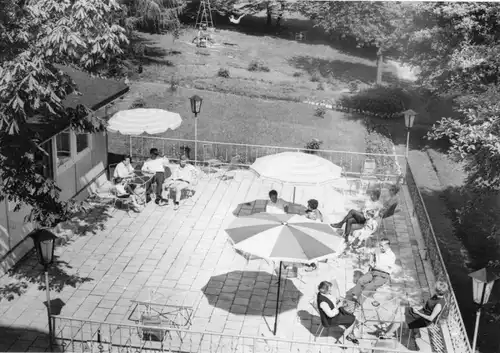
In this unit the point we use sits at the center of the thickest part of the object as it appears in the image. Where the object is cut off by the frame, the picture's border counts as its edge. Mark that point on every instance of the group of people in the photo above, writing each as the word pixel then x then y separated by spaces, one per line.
pixel 158 170
pixel 333 312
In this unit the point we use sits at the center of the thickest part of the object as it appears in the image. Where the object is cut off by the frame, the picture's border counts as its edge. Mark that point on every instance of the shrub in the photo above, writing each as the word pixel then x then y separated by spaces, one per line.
pixel 380 144
pixel 138 103
pixel 257 66
pixel 312 146
pixel 297 74
pixel 316 76
pixel 223 73
pixel 321 86
pixel 174 83
pixel 320 111
pixel 385 102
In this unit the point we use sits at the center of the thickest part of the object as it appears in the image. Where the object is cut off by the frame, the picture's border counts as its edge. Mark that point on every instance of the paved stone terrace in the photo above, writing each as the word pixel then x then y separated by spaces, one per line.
pixel 185 258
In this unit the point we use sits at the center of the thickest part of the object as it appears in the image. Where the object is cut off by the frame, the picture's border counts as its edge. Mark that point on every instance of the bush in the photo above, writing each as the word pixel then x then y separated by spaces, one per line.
pixel 297 74
pixel 381 101
pixel 312 146
pixel 380 144
pixel 257 66
pixel 174 83
pixel 320 111
pixel 223 73
pixel 321 86
pixel 316 76
pixel 138 103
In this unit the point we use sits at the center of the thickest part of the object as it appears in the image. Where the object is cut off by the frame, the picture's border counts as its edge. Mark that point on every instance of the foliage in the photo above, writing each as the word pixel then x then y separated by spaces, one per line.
pixel 174 83
pixel 256 65
pixel 274 8
pixel 297 74
pixel 33 39
pixel 380 24
pixel 138 103
pixel 312 146
pixel 223 73
pixel 381 101
pixel 316 76
pixel 321 86
pixel 377 143
pixel 320 111
pixel 153 16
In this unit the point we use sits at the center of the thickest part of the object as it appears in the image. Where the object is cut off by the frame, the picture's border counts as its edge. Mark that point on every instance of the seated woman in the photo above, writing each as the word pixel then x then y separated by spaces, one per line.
pixel 389 200
pixel 332 314
pixel 125 190
pixel 312 211
pixel 417 317
pixel 359 217
pixel 367 231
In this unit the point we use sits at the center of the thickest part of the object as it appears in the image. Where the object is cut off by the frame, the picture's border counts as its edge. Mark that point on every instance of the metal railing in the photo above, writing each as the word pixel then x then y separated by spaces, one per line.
pixel 83 335
pixel 388 166
pixel 452 318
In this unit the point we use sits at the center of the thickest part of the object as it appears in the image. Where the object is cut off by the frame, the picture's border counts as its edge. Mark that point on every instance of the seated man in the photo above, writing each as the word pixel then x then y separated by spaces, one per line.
pixel 382 261
pixel 332 314
pixel 390 200
pixel 275 204
pixel 155 165
pixel 182 178
pixel 357 217
pixel 417 317
pixel 124 171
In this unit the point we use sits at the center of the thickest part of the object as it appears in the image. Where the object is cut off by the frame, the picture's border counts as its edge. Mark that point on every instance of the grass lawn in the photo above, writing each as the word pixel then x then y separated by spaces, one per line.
pixel 237 119
pixel 292 64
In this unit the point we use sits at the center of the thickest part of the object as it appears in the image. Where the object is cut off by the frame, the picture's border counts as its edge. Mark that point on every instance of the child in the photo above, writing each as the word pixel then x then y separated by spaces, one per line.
pixel 370 226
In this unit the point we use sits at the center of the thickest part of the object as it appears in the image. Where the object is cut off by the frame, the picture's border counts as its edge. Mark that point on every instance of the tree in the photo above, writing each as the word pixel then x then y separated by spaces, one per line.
pixel 379 24
pixel 456 46
pixel 273 8
pixel 34 38
pixel 153 15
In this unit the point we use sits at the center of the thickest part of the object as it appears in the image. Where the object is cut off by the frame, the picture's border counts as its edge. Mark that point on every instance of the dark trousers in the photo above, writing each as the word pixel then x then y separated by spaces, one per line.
pixel 353 217
pixel 158 178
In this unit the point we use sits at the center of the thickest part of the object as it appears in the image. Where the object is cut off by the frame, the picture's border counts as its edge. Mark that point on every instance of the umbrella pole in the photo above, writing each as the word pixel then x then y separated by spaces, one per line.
pixel 293 195
pixel 130 145
pixel 277 301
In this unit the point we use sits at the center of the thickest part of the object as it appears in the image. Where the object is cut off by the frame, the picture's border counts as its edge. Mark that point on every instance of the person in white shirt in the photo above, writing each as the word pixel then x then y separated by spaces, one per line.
pixel 182 178
pixel 382 263
pixel 369 228
pixel 156 165
pixel 276 204
pixel 124 171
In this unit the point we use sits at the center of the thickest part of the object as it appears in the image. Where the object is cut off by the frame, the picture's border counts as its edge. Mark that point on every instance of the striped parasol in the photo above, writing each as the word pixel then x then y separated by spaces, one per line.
pixel 284 237
pixel 144 120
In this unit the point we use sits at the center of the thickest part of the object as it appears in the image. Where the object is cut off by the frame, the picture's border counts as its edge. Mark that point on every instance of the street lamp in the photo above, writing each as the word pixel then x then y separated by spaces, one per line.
pixel 195 108
pixel 482 284
pixel 409 120
pixel 44 241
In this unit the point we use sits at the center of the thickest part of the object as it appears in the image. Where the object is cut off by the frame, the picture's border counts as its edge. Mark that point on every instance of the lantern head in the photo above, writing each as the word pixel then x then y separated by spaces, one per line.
pixel 44 241
pixel 196 104
pixel 482 284
pixel 409 117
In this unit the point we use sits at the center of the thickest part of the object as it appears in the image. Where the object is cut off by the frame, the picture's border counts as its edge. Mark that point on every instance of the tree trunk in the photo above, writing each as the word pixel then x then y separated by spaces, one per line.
pixel 269 15
pixel 380 65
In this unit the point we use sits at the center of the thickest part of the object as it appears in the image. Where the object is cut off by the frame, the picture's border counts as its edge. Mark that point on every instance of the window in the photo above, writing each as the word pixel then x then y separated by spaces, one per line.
pixel 82 142
pixel 63 145
pixel 44 160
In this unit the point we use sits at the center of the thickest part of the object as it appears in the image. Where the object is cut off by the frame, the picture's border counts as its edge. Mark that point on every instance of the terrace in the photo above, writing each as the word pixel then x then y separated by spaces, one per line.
pixel 214 299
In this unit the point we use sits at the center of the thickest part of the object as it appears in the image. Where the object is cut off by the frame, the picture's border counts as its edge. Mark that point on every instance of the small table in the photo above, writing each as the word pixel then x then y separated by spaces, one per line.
pixel 140 180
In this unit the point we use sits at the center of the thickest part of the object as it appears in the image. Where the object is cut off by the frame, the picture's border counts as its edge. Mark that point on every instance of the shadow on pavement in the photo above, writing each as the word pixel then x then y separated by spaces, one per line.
pixel 20 339
pixel 312 322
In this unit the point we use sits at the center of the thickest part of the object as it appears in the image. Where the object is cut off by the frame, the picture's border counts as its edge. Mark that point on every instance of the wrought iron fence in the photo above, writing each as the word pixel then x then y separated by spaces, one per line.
pixel 82 335
pixel 387 166
pixel 453 318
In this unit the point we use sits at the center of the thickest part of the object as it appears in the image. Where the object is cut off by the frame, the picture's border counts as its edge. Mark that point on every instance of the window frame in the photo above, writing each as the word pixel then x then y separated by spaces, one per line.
pixel 74 155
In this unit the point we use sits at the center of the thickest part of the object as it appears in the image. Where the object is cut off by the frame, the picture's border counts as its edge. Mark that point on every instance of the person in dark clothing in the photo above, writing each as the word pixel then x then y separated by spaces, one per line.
pixel 417 317
pixel 332 314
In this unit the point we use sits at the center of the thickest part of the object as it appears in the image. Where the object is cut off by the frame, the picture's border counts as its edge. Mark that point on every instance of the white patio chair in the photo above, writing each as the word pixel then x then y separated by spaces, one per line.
pixel 232 166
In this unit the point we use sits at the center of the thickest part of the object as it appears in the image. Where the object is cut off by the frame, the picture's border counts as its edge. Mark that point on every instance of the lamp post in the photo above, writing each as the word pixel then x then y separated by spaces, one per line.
pixel 482 284
pixel 44 241
pixel 409 120
pixel 195 108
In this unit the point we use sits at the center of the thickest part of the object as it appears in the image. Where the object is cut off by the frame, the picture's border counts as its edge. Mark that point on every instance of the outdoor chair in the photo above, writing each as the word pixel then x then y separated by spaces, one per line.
pixel 321 328
pixel 189 191
pixel 233 165
pixel 387 214
pixel 210 159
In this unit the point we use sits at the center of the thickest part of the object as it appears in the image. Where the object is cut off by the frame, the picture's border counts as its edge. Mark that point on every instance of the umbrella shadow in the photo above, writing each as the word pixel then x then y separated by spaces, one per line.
pixel 259 206
pixel 312 322
pixel 251 293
